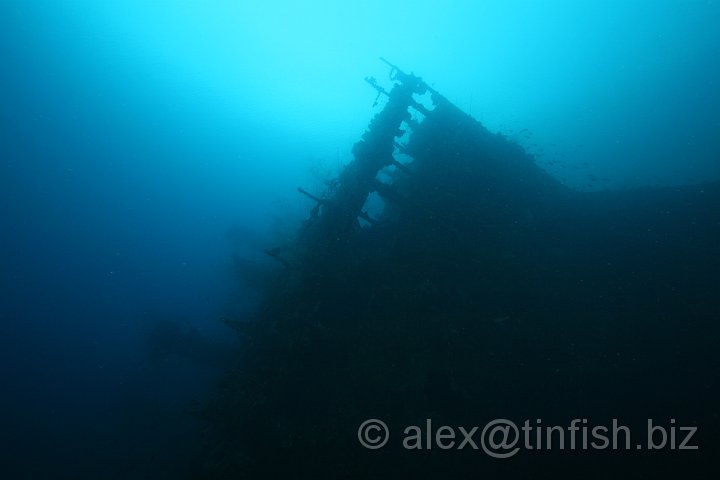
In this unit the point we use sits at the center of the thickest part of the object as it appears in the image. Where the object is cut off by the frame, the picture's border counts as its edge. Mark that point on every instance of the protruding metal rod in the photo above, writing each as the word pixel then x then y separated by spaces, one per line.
pixel 275 253
pixel 401 167
pixel 420 108
pixel 382 59
pixel 395 72
pixel 310 195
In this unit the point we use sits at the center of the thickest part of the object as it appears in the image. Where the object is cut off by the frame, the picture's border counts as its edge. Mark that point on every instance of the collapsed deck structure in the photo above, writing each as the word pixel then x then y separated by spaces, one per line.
pixel 482 289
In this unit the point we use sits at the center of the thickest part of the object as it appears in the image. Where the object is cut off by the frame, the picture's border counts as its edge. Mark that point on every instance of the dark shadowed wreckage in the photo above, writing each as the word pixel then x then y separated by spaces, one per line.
pixel 482 289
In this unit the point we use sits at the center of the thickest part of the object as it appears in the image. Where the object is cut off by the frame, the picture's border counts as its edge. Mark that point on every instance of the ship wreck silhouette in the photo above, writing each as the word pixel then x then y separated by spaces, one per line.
pixel 482 289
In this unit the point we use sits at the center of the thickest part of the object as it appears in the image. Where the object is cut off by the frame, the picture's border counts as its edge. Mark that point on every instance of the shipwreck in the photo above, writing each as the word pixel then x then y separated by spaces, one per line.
pixel 444 275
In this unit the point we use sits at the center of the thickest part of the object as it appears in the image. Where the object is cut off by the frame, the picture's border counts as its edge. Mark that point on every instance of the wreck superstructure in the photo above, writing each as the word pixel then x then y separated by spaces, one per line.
pixel 449 170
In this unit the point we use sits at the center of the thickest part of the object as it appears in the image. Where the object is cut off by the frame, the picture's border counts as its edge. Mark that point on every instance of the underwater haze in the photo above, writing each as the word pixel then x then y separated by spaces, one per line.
pixel 149 147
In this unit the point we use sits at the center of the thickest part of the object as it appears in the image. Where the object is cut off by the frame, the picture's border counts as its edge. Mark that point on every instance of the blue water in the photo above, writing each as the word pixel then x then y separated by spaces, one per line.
pixel 142 144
